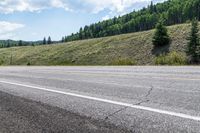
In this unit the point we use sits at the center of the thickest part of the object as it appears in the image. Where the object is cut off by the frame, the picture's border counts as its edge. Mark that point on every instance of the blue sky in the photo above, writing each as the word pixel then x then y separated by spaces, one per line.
pixel 34 19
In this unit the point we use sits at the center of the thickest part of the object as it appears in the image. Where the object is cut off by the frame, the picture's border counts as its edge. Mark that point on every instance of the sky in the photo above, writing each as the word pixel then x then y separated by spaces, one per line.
pixel 33 20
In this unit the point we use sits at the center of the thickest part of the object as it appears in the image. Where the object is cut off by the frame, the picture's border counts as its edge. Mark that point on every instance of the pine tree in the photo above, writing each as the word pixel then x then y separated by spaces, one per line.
pixel 8 43
pixel 49 40
pixel 151 7
pixel 81 33
pixel 66 39
pixel 193 49
pixel 161 36
pixel 63 39
pixel 44 41
pixel 20 43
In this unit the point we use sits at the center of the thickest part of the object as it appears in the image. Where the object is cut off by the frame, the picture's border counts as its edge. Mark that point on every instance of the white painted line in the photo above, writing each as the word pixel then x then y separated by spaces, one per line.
pixel 181 115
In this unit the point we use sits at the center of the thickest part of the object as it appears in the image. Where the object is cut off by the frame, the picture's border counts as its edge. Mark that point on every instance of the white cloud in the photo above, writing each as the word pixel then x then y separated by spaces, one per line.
pixel 60 4
pixel 113 7
pixel 10 6
pixel 118 6
pixel 7 29
pixel 106 17
pixel 93 6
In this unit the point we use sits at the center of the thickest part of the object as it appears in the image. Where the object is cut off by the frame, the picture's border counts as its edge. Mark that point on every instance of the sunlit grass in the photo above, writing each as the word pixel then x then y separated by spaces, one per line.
pixel 136 47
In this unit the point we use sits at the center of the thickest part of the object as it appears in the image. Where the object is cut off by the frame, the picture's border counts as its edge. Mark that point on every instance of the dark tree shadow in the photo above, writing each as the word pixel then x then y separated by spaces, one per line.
pixel 158 50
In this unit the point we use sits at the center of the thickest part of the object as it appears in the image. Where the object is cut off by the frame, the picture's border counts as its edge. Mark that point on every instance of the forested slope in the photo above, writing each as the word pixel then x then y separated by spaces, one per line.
pixel 173 11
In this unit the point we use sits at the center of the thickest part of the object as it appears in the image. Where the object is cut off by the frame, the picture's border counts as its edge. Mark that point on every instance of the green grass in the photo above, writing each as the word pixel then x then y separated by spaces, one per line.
pixel 173 58
pixel 123 62
pixel 124 49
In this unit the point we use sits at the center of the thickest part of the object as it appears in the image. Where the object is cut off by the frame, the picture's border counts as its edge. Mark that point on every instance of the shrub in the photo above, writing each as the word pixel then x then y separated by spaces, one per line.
pixel 124 62
pixel 28 64
pixel 173 58
pixel 161 37
pixel 1 62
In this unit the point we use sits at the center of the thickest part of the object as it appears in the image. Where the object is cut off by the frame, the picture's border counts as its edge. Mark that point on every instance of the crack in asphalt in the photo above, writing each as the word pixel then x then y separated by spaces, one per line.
pixel 139 103
pixel 171 84
pixel 146 96
pixel 149 92
pixel 116 112
pixel 145 101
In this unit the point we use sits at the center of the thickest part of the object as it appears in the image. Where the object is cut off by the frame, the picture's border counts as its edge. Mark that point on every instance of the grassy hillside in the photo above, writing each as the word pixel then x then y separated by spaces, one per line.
pixel 173 11
pixel 134 47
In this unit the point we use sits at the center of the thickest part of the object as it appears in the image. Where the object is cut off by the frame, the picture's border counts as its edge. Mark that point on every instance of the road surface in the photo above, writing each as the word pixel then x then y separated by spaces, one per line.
pixel 100 99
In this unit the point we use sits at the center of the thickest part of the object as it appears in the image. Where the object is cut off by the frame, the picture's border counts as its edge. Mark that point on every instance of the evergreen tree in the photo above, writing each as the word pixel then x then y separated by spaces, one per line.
pixel 161 36
pixel 49 40
pixel 66 39
pixel 44 41
pixel 81 33
pixel 63 39
pixel 193 49
pixel 20 43
pixel 8 45
pixel 151 7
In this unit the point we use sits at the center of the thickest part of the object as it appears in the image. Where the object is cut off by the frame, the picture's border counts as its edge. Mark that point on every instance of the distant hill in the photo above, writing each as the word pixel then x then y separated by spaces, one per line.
pixel 173 11
pixel 12 43
pixel 135 48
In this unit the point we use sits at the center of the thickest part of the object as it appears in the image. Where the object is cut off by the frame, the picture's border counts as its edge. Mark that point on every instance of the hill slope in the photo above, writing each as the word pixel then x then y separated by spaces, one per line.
pixel 102 51
pixel 172 11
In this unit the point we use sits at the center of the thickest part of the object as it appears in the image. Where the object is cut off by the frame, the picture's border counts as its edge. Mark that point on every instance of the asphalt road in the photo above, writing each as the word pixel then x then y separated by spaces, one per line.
pixel 100 99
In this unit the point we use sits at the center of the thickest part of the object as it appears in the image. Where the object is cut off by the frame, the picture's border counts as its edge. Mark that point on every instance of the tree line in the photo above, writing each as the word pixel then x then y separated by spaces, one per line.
pixel 11 43
pixel 173 11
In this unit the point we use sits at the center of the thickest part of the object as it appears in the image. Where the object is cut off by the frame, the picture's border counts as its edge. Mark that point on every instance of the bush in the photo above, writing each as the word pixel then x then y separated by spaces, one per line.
pixel 173 58
pixel 124 62
pixel 28 64
pixel 1 62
